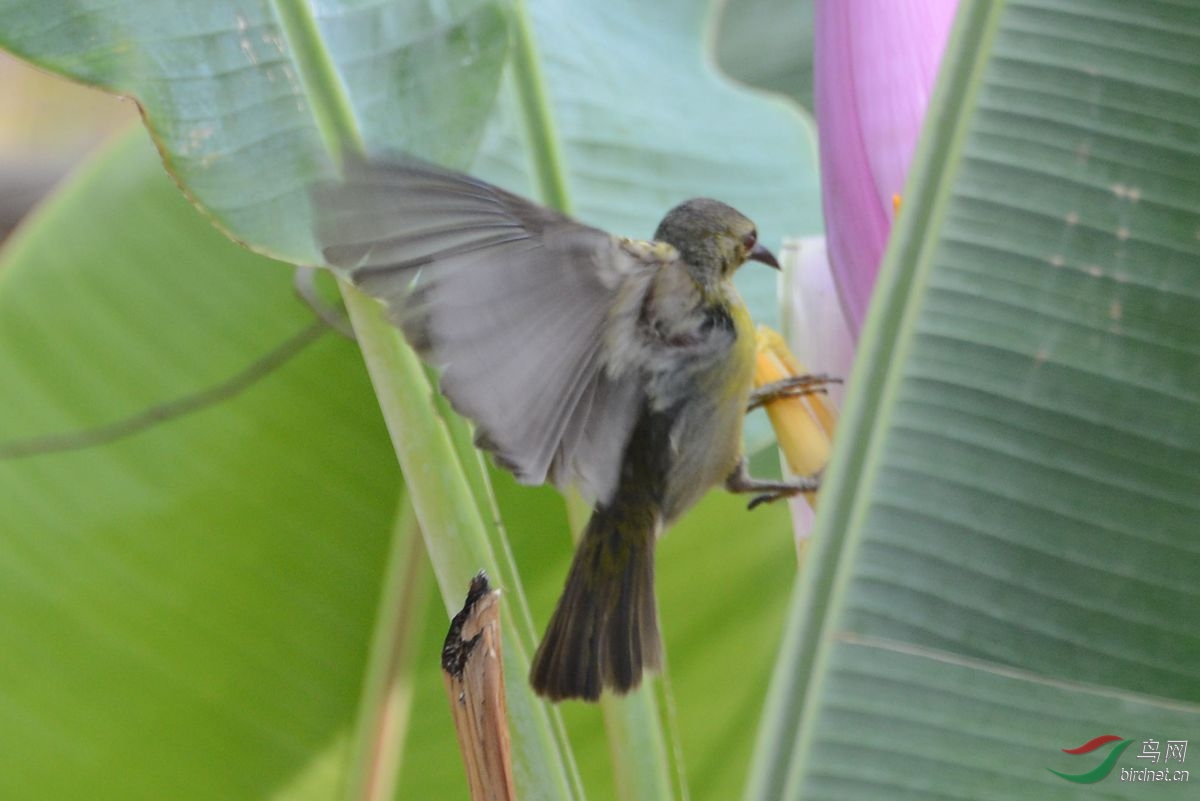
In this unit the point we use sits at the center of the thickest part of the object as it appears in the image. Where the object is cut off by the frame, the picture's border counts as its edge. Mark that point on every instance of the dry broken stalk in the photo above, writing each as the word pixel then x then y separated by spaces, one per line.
pixel 474 679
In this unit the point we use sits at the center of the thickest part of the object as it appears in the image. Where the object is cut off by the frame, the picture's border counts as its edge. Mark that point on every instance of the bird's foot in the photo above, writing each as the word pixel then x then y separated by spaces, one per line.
pixel 741 481
pixel 791 387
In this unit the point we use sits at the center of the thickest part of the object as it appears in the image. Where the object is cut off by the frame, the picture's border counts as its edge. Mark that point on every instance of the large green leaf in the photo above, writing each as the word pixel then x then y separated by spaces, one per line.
pixel 614 110
pixel 1007 555
pixel 195 501
pixel 246 100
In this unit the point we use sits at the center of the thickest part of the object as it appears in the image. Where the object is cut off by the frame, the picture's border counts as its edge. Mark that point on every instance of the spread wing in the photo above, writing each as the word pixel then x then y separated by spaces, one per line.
pixel 509 299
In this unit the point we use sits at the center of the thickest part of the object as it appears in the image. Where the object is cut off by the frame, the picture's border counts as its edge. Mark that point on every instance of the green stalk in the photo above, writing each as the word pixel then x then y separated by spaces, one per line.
pixel 544 148
pixel 327 97
pixel 780 757
pixel 456 537
pixel 383 713
pixel 641 764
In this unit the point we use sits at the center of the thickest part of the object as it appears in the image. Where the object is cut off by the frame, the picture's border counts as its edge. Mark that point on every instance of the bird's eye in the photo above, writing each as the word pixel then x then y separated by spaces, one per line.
pixel 750 240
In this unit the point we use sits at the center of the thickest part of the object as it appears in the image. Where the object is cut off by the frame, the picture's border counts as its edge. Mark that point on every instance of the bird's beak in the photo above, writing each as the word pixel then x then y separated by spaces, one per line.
pixel 760 253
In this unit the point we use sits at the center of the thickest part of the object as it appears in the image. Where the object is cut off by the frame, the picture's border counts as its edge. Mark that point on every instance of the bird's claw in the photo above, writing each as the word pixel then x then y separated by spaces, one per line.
pixel 766 497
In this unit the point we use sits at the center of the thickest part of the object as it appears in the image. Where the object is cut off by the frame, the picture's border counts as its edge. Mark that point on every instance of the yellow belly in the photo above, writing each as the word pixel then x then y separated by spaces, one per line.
pixel 708 435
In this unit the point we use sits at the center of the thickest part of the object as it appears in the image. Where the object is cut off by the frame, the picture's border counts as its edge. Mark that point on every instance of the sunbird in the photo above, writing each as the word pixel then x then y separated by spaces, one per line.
pixel 620 366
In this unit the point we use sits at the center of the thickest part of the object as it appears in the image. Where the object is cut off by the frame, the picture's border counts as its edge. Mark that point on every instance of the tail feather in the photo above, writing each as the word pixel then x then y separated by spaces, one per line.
pixel 604 632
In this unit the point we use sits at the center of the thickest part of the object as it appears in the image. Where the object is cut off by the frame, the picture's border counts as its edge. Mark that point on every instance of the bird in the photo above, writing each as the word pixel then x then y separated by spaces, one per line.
pixel 622 367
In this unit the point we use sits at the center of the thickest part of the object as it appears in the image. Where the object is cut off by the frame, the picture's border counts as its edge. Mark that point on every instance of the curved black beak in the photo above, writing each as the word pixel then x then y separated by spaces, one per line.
pixel 760 253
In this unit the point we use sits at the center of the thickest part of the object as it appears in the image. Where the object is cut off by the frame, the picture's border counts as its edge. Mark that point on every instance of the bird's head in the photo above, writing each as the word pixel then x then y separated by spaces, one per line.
pixel 713 238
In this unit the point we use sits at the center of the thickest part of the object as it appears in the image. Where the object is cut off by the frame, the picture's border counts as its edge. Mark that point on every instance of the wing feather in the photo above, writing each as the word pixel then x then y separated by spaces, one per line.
pixel 510 300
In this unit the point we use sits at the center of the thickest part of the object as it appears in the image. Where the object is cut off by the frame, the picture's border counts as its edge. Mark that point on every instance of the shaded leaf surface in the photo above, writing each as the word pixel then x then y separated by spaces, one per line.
pixel 199 591
pixel 1009 544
